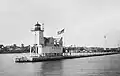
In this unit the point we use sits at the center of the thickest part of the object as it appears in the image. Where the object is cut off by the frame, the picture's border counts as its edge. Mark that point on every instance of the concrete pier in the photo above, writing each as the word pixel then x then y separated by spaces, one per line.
pixel 64 56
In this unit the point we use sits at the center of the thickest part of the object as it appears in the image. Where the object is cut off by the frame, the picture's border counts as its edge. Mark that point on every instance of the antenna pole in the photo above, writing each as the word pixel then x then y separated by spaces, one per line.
pixel 105 45
pixel 30 50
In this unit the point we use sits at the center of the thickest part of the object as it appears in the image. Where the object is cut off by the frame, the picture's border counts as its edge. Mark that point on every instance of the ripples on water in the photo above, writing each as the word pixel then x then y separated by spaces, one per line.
pixel 90 66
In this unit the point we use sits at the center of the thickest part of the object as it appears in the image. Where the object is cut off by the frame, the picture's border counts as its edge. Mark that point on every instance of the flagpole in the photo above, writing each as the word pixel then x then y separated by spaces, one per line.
pixel 63 39
pixel 61 34
pixel 105 44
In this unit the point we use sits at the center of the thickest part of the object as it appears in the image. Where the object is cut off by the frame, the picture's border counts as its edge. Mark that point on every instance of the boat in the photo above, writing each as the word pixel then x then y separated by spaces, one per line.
pixel 45 48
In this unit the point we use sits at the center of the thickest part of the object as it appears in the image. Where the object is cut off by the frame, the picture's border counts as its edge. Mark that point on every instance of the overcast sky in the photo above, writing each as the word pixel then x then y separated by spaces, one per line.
pixel 85 21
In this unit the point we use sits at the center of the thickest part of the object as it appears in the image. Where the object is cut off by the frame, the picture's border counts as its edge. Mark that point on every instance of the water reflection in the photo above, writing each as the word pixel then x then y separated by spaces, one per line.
pixel 53 68
pixel 90 66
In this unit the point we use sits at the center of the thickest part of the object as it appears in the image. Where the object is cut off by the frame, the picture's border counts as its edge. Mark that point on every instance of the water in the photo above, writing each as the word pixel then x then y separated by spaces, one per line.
pixel 90 66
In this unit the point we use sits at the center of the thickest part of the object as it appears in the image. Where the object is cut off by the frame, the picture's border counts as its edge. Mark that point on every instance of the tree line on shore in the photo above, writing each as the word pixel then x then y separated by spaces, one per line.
pixel 25 49
pixel 14 48
pixel 91 49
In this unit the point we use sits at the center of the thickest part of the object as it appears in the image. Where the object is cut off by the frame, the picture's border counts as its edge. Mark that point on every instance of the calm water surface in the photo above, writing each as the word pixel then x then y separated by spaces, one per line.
pixel 90 66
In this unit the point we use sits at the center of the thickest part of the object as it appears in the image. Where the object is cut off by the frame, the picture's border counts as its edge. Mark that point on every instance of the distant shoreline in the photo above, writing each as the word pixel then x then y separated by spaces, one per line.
pixel 107 53
pixel 12 52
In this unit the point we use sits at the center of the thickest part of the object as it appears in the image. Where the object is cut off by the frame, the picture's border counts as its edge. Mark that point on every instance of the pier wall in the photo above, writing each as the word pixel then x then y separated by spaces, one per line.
pixel 49 49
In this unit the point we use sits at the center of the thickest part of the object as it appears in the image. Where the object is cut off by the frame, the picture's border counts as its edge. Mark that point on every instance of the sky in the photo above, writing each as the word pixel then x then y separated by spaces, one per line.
pixel 86 22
